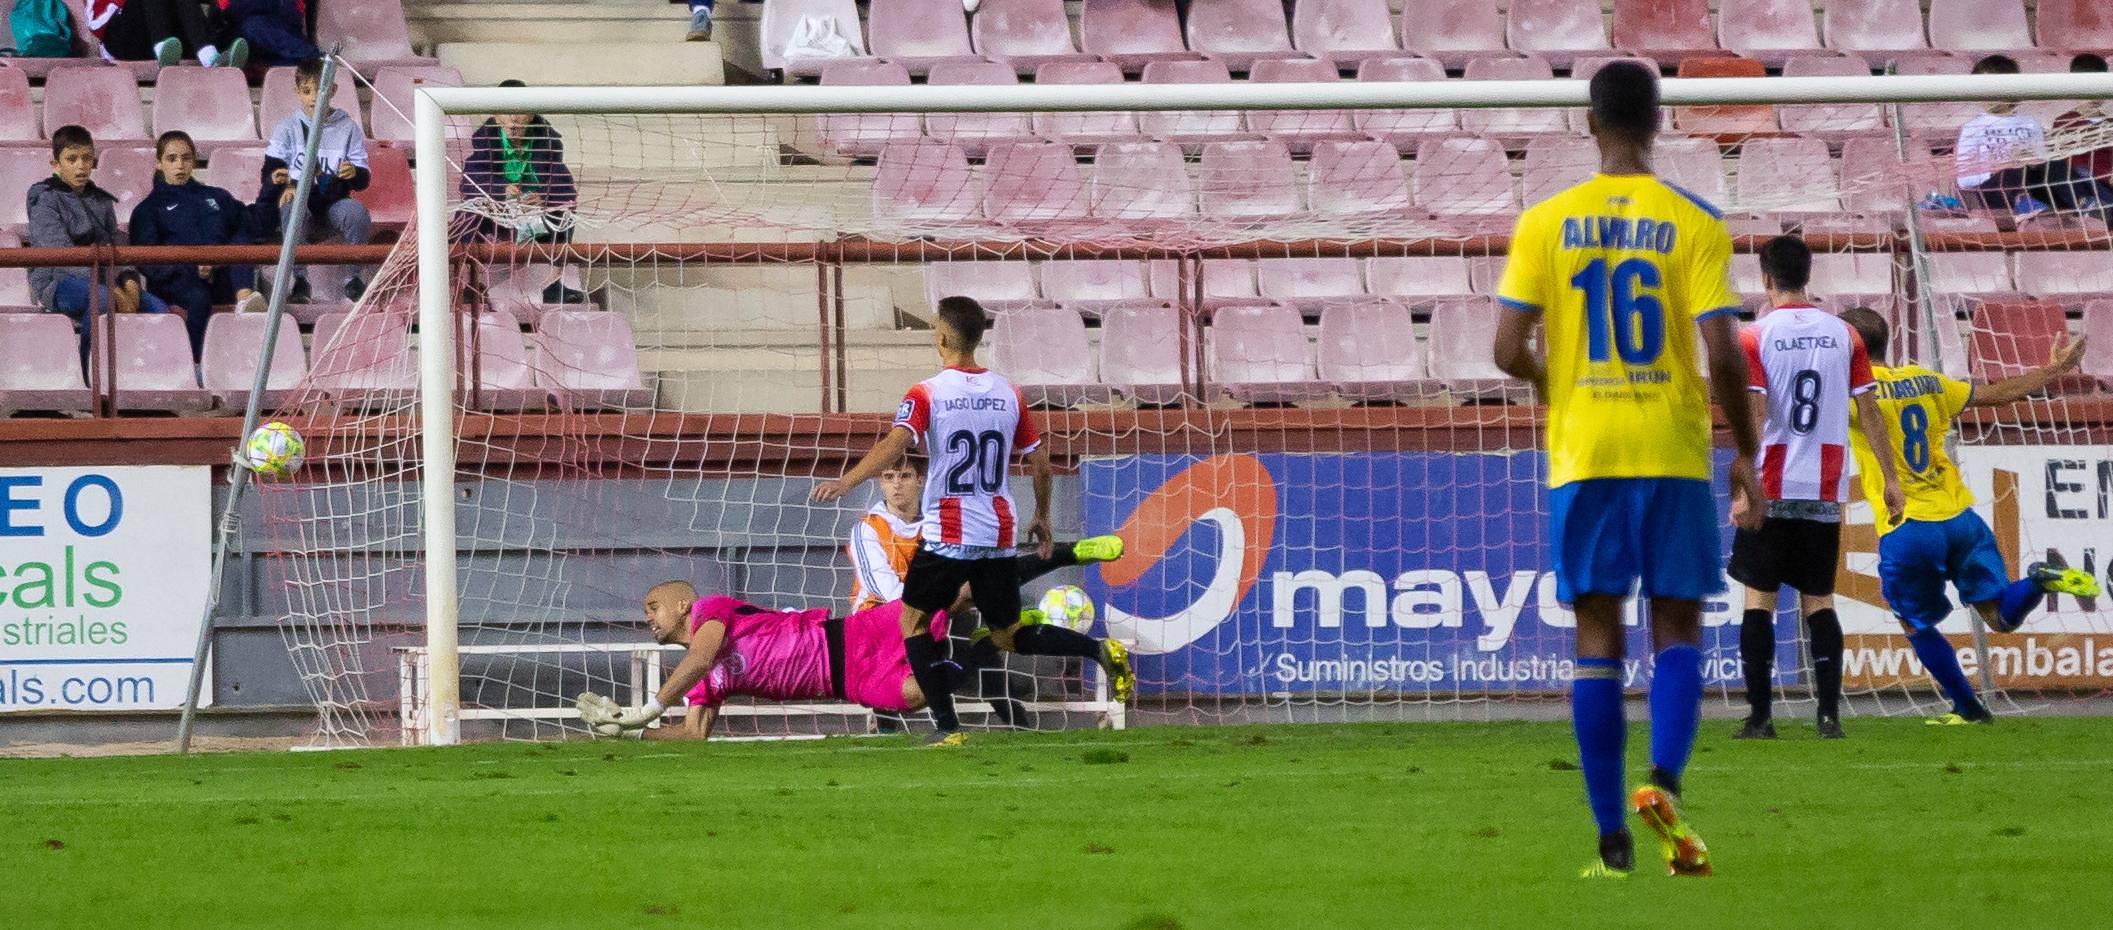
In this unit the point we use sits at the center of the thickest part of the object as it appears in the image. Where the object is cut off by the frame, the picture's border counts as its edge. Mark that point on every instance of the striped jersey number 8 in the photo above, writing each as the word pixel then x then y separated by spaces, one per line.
pixel 1621 316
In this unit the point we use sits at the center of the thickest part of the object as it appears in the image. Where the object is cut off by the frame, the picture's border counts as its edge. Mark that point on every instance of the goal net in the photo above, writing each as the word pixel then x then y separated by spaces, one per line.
pixel 1258 342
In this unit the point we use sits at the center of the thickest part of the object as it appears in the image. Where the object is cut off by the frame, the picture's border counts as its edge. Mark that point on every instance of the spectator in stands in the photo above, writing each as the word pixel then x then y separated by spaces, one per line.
pixel 2003 164
pixel 700 21
pixel 339 171
pixel 183 211
pixel 276 29
pixel 2091 124
pixel 69 210
pixel 137 30
pixel 517 162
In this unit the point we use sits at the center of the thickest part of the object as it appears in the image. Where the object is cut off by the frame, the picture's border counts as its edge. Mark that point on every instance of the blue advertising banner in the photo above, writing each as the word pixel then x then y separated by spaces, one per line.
pixel 1347 573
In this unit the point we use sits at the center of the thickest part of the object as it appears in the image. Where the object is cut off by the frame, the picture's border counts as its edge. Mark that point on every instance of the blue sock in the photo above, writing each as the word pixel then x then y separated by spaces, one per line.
pixel 1676 707
pixel 1596 716
pixel 2019 598
pixel 1943 664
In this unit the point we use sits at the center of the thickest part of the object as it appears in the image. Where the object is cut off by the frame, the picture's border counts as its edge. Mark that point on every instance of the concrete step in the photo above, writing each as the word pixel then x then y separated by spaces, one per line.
pixel 572 63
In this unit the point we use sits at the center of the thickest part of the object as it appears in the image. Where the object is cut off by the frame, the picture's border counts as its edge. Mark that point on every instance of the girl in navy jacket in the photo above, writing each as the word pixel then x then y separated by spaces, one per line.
pixel 183 211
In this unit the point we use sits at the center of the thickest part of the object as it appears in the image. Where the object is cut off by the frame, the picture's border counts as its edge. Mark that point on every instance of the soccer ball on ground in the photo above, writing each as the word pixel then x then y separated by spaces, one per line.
pixel 1067 605
pixel 274 450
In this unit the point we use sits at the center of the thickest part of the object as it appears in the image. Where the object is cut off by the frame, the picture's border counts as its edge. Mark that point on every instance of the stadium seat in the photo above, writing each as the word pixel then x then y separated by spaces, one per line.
pixel 390 195
pixel 18 115
pixel 782 18
pixel 2070 277
pixel 1191 127
pixel 1417 280
pixel 1044 351
pixel 127 172
pixel 20 167
pixel 2098 354
pixel 1258 353
pixel 1090 286
pixel 14 282
pixel 40 364
pixel 1786 175
pixel 1769 30
pixel 2012 338
pixel 1404 129
pixel 1240 32
pixel 1305 283
pixel 277 99
pixel 1140 351
pixel 236 169
pixel 1300 130
pixel 373 31
pixel 505 380
pixel 1229 282
pixel 1344 31
pixel 918 34
pixel 1734 122
pixel 103 100
pixel 1368 351
pixel 1554 163
pixel 1357 179
pixel 1971 274
pixel 1462 333
pixel 1024 34
pixel 1938 121
pixel 862 135
pixel 1084 129
pixel 154 371
pixel 1033 186
pixel 1557 29
pixel 1246 181
pixel 1666 29
pixel 1451 31
pixel 1465 179
pixel 1511 122
pixel 588 358
pixel 976 132
pixel 1830 121
pixel 1973 26
pixel 1000 286
pixel 1585 67
pixel 1872 27
pixel 1842 273
pixel 2074 24
pixel 233 342
pixel 212 104
pixel 356 355
pixel 389 113
pixel 1132 33
pixel 1139 183
pixel 1874 180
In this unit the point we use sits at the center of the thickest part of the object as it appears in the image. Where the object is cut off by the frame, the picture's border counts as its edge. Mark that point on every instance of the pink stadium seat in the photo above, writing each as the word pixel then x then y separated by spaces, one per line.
pixel 18 115
pixel 40 364
pixel 1877 181
pixel 1245 181
pixel 1938 120
pixel 1464 178
pixel 1451 31
pixel 588 358
pixel 1558 29
pixel 1344 31
pixel 781 18
pixel 1299 129
pixel 1368 350
pixel 1191 126
pixel 1090 286
pixel 1025 34
pixel 863 135
pixel 390 112
pixel 1867 26
pixel 1044 350
pixel 1228 282
pixel 1000 286
pixel 104 100
pixel 2071 277
pixel 233 341
pixel 1669 29
pixel 1357 179
pixel 1830 121
pixel 1767 29
pixel 918 34
pixel 1971 274
pixel 1511 122
pixel 20 166
pixel 1840 273
pixel 235 169
pixel 14 282
pixel 1554 163
pixel 2098 354
pixel 277 99
pixel 1585 67
pixel 1403 129
pixel 1964 26
pixel 1240 32
pixel 127 173
pixel 1132 33
pixel 976 132
pixel 505 381
pixel 1304 283
pixel 1786 175
pixel 357 354
pixel 390 195
pixel 2011 338
pixel 212 104
pixel 1461 335
pixel 2074 24
pixel 1033 186
pixel 1142 182
pixel 373 31
pixel 1729 122
pixel 1258 354
pixel 1416 279
pixel 1084 128
pixel 154 370
pixel 1140 351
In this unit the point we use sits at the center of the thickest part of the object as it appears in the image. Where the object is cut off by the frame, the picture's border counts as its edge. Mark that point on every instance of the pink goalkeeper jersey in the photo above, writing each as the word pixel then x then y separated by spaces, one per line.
pixel 772 654
pixel 971 422
pixel 1808 364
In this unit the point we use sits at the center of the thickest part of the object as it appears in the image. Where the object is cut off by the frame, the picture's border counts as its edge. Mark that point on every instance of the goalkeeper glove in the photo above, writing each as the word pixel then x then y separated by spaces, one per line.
pixel 596 710
pixel 636 719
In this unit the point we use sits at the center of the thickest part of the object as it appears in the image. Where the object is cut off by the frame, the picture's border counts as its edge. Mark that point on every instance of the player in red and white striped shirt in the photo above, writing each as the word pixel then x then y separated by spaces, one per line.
pixel 1809 366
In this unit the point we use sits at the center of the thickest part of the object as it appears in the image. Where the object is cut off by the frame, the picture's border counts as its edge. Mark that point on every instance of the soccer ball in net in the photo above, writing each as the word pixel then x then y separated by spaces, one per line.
pixel 273 450
pixel 1067 605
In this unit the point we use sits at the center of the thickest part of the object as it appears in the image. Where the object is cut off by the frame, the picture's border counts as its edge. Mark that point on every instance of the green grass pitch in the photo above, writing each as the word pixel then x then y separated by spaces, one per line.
pixel 1318 826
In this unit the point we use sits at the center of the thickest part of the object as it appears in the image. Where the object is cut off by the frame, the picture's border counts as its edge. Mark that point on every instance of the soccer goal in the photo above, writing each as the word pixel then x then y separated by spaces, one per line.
pixel 621 345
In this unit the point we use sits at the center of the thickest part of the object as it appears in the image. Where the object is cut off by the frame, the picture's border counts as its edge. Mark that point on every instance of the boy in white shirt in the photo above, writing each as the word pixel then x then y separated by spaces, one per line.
pixel 2002 160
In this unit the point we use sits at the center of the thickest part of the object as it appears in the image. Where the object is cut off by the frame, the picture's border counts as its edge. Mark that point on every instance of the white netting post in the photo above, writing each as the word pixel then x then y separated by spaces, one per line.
pixel 436 420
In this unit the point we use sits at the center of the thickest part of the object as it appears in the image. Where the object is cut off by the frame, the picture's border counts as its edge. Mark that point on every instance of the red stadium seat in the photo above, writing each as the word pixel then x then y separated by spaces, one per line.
pixel 1141 351
pixel 1024 34
pixel 1247 181
pixel 1033 186
pixel 976 132
pixel 127 172
pixel 1301 130
pixel 1670 29
pixel 2070 277
pixel 588 358
pixel 1416 280
pixel 1368 350
pixel 863 135
pixel 926 187
pixel 390 111
pixel 390 196
pixel 237 169
pixel 2013 338
pixel 1344 31
pixel 1240 32
pixel 105 101
pixel 1404 129
pixel 1938 120
pixel 18 115
pixel 1787 175
pixel 1357 179
pixel 1559 30
pixel 20 167
pixel 1870 27
pixel 355 355
pixel 1875 180
pixel 2074 24
pixel 14 282
pixel 373 31
pixel 40 364
pixel 1464 179
pixel 505 381
pixel 1306 283
pixel 1512 122
pixel 1142 182
pixel 1767 29
pixel 1000 286
pixel 1192 127
pixel 1084 128
pixel 212 104
pixel 1045 352
pixel 1258 353
pixel 1830 121
pixel 1971 274
pixel 1554 163
pixel 1451 31
pixel 233 343
pixel 154 368
pixel 1132 33
pixel 2098 354
pixel 1964 26
pixel 918 34
pixel 1461 334
pixel 1230 282
pixel 1735 121
pixel 1089 286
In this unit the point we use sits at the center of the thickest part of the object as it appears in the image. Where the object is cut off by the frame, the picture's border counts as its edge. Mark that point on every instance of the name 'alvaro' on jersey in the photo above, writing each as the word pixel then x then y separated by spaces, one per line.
pixel 1620 268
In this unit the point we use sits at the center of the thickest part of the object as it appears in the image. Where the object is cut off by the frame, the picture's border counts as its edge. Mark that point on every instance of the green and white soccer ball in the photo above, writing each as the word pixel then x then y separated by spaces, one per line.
pixel 1067 605
pixel 274 450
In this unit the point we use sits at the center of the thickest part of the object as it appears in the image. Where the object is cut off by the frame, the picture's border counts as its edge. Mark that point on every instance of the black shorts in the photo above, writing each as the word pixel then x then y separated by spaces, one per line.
pixel 1787 551
pixel 933 582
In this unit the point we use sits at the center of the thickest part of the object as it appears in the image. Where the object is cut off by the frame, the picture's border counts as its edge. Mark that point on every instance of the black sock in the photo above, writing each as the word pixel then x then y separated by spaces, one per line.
pixel 1030 565
pixel 931 670
pixel 1042 639
pixel 1757 652
pixel 1826 632
pixel 1667 780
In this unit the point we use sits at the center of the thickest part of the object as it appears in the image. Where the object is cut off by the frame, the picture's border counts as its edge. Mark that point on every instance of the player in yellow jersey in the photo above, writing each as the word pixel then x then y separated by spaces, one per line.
pixel 1621 271
pixel 1940 538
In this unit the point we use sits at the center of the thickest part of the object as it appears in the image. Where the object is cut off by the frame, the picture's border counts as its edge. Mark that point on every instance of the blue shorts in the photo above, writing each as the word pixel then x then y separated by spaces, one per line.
pixel 1916 559
pixel 1611 532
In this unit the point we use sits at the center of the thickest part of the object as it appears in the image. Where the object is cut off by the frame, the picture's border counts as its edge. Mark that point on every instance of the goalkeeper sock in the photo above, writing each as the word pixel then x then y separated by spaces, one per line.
pixel 1826 632
pixel 1943 664
pixel 1596 717
pixel 1757 654
pixel 1676 708
pixel 1030 565
pixel 1046 639
pixel 931 672
pixel 2019 599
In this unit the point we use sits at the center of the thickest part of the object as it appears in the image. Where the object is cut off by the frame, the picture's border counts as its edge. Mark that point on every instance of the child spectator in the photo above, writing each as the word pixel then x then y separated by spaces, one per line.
pixel 68 210
pixel 517 160
pixel 183 211
pixel 340 170
pixel 137 30
pixel 2002 160
pixel 2090 123
pixel 277 30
